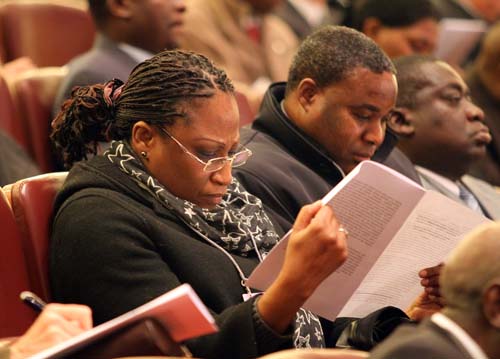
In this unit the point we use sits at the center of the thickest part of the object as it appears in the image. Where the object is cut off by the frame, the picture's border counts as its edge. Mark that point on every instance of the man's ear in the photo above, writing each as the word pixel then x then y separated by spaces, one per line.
pixel 142 137
pixel 120 8
pixel 371 27
pixel 307 93
pixel 491 305
pixel 401 122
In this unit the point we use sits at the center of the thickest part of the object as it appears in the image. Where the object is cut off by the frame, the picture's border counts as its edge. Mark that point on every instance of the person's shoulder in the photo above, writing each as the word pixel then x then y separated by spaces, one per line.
pixel 267 153
pixel 96 182
pixel 410 341
pixel 477 184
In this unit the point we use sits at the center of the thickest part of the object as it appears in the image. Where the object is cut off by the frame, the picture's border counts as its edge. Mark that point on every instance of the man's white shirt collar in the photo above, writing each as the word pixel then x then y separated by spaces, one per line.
pixel 472 348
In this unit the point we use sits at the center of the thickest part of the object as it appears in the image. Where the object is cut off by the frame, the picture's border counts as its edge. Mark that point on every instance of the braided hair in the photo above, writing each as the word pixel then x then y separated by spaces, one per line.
pixel 157 92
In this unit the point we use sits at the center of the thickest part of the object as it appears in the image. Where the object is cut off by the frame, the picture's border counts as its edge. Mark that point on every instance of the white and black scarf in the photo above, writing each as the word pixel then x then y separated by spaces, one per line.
pixel 238 224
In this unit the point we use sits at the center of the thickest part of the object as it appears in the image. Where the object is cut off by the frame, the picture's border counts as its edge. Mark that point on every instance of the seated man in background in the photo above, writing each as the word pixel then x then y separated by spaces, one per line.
pixel 243 37
pixel 442 132
pixel 400 28
pixel 56 323
pixel 128 32
pixel 469 324
pixel 483 79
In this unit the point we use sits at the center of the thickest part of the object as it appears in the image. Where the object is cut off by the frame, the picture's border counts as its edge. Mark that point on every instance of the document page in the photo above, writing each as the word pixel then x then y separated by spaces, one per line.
pixel 372 202
pixel 432 230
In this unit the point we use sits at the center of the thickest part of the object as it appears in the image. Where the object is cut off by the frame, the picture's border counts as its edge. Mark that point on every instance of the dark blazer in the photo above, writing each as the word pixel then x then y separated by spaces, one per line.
pixel 105 61
pixel 427 340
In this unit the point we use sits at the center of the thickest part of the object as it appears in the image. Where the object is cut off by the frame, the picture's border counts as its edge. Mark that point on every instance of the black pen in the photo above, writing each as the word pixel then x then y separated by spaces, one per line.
pixel 32 300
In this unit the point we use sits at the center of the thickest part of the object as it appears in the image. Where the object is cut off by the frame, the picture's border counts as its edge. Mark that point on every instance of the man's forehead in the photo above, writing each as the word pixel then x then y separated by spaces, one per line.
pixel 441 75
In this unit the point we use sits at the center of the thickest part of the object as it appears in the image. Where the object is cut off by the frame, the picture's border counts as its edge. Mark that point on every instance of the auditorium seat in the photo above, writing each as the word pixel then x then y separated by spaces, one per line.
pixel 35 92
pixel 32 200
pixel 50 34
pixel 15 317
pixel 9 118
pixel 318 354
pixel 247 115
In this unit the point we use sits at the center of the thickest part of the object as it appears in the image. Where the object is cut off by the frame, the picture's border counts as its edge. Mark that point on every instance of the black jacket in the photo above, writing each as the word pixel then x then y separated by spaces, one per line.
pixel 114 248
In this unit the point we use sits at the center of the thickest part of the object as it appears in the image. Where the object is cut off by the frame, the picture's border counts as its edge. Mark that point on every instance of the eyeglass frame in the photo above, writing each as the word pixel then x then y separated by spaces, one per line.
pixel 226 159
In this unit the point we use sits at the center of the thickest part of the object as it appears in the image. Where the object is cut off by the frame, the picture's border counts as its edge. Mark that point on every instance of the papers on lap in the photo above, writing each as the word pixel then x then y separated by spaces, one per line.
pixel 180 311
pixel 396 228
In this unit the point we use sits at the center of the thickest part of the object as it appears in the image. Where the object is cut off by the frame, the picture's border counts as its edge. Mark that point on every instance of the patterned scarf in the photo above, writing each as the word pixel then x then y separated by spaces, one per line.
pixel 238 224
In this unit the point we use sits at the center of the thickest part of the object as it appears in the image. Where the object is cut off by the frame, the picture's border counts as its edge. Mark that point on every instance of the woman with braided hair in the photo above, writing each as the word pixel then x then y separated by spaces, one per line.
pixel 160 208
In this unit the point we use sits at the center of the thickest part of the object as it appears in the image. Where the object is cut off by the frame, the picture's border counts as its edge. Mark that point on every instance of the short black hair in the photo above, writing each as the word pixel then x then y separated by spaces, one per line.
pixel 395 13
pixel 410 78
pixel 331 53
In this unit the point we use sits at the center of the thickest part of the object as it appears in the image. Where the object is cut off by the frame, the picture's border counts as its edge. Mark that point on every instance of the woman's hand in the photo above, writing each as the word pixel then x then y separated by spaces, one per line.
pixel 56 323
pixel 316 248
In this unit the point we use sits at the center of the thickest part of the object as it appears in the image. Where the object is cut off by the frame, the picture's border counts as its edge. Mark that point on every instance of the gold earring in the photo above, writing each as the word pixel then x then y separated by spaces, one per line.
pixel 144 154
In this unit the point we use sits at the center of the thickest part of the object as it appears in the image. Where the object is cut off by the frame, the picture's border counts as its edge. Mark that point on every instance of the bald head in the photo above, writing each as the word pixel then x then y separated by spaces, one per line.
pixel 470 269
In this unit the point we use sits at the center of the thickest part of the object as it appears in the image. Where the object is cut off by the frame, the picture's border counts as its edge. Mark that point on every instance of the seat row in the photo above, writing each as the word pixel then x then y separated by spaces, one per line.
pixel 25 219
pixel 25 111
pixel 50 32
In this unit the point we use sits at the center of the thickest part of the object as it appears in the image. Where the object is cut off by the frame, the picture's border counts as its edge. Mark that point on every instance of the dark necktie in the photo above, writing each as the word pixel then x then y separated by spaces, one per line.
pixel 468 198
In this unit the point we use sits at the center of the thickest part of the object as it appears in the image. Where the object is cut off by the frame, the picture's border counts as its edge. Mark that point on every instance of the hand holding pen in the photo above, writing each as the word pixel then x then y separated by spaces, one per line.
pixel 32 300
pixel 56 323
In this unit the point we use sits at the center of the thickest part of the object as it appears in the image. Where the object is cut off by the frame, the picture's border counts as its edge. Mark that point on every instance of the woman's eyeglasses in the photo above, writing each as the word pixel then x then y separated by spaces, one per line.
pixel 215 164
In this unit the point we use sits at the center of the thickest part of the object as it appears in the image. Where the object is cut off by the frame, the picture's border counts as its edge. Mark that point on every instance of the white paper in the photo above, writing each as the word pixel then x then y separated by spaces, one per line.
pixel 373 202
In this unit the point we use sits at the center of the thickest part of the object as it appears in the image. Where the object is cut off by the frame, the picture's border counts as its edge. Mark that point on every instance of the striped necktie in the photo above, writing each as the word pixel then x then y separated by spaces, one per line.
pixel 469 199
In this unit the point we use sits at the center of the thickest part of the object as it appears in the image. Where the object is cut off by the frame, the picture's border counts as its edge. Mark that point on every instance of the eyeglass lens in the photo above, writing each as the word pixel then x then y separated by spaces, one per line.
pixel 217 163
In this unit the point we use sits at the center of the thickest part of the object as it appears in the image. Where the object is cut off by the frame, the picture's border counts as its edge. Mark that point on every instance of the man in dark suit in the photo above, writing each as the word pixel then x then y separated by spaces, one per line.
pixel 442 132
pixel 128 32
pixel 469 325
